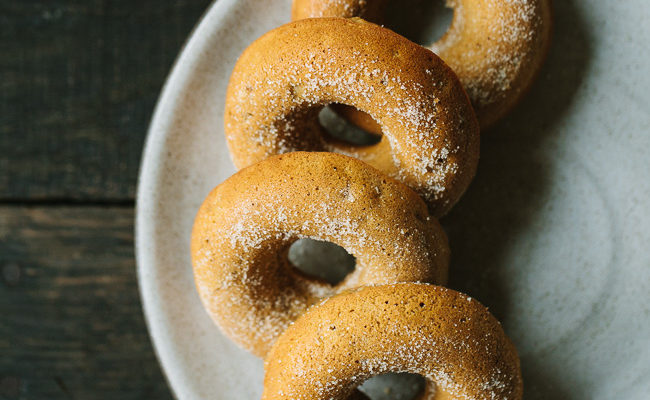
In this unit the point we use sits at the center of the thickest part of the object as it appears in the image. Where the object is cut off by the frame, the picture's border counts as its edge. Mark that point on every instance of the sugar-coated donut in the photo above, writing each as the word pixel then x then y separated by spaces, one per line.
pixel 443 335
pixel 245 226
pixel 371 10
pixel 281 82
pixel 496 47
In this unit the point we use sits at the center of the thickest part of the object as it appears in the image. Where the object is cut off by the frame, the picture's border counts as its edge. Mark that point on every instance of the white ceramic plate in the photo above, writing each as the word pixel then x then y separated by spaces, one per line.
pixel 553 234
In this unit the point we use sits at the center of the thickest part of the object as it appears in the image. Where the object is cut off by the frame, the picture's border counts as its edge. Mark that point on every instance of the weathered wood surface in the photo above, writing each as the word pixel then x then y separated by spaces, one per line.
pixel 78 82
pixel 71 321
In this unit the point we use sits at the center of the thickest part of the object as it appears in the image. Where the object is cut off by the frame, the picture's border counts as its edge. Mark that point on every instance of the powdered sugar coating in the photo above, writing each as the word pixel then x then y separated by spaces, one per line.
pixel 282 80
pixel 456 344
pixel 245 226
pixel 495 47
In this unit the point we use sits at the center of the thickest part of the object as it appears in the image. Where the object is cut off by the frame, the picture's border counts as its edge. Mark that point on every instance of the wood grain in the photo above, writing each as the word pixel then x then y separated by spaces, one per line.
pixel 78 83
pixel 71 321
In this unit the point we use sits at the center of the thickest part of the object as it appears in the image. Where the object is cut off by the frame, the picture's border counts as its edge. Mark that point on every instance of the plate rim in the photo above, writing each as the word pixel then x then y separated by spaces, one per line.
pixel 166 99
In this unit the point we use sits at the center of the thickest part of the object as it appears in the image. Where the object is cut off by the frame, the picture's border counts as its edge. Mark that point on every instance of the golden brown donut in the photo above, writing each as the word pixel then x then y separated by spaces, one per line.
pixel 443 335
pixel 282 81
pixel 245 226
pixel 371 10
pixel 496 47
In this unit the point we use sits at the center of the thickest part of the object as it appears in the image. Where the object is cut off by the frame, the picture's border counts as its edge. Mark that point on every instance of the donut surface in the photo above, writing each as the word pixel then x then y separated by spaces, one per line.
pixel 496 47
pixel 443 335
pixel 245 226
pixel 281 82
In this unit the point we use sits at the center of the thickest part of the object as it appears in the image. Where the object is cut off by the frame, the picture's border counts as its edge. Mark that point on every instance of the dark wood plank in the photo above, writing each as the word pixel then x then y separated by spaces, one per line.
pixel 71 321
pixel 78 82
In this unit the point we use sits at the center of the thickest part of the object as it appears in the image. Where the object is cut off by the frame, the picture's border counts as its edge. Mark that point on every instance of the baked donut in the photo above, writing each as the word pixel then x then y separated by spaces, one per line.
pixel 496 47
pixel 245 226
pixel 372 10
pixel 281 82
pixel 443 335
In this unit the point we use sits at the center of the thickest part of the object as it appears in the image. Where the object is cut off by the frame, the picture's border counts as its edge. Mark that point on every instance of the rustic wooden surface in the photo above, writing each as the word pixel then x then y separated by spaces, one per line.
pixel 72 324
pixel 79 79
pixel 78 82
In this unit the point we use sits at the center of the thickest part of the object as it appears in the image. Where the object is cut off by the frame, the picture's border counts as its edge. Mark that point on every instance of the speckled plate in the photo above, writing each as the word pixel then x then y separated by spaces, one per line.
pixel 553 234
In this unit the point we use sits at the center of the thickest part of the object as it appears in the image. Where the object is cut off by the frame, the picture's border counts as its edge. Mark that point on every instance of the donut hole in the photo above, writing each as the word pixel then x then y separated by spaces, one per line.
pixel 394 386
pixel 421 21
pixel 322 260
pixel 343 130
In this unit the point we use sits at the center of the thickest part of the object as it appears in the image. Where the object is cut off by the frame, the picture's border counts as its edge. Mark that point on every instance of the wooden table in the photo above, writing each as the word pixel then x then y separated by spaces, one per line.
pixel 78 83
